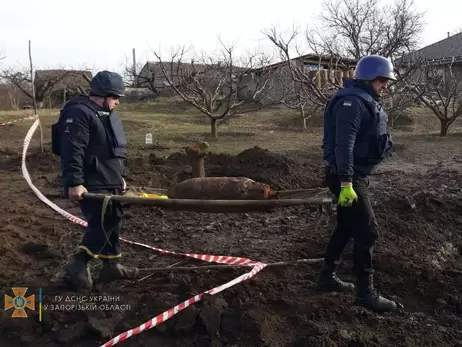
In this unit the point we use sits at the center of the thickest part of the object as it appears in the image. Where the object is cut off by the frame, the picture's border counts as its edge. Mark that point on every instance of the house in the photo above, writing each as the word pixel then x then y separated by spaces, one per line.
pixel 435 69
pixel 324 71
pixel 438 57
pixel 152 76
pixel 446 51
pixel 314 62
pixel 54 87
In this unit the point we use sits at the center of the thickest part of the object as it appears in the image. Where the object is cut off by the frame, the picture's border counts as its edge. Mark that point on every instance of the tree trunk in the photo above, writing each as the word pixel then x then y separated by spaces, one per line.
pixel 302 114
pixel 445 123
pixel 213 125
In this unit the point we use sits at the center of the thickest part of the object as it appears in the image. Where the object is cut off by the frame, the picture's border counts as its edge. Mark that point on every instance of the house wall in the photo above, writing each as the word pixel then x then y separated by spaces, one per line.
pixel 421 75
pixel 209 79
pixel 138 94
pixel 281 80
pixel 248 83
pixel 422 78
pixel 152 71
pixel 458 70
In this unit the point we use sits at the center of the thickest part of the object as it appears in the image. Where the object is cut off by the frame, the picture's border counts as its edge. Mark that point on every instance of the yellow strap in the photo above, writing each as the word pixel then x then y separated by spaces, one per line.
pixel 106 201
pixel 99 256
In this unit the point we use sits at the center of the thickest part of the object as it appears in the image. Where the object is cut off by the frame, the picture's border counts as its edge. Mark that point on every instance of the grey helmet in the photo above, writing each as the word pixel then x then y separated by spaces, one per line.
pixel 107 83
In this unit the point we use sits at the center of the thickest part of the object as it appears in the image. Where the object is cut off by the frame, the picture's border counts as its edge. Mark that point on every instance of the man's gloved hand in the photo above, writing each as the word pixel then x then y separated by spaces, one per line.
pixel 347 195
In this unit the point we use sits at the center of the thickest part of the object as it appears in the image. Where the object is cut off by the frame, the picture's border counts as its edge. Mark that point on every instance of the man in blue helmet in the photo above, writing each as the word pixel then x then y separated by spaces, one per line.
pixel 356 140
pixel 90 139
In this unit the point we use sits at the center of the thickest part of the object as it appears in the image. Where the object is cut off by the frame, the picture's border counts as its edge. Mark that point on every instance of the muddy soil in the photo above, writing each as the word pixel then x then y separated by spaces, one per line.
pixel 418 261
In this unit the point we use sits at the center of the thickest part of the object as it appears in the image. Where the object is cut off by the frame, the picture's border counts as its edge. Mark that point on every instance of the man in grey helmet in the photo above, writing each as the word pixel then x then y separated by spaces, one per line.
pixel 90 139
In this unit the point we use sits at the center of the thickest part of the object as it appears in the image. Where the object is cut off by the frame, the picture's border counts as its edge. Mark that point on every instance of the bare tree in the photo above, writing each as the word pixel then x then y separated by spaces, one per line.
pixel 219 87
pixel 294 94
pixel 14 95
pixel 355 28
pixel 297 71
pixel 134 78
pixel 438 85
pixel 46 82
pixel 304 90
pixel 310 90
pixel 34 99
pixel 130 73
pixel 456 31
pixel 399 96
pixel 397 100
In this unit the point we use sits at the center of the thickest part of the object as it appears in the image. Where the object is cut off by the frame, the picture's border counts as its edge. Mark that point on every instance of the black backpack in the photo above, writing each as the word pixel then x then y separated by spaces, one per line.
pixel 55 138
pixel 55 135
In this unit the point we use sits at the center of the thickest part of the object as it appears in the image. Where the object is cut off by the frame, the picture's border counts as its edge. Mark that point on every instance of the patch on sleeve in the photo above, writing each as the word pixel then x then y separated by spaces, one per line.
pixel 69 120
pixel 347 103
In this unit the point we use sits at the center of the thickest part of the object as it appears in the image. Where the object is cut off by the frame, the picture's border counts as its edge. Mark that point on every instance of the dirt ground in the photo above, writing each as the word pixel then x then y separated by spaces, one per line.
pixel 418 259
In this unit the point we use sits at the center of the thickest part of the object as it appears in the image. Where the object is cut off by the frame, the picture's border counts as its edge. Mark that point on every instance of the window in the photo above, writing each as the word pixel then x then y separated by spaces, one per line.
pixel 312 67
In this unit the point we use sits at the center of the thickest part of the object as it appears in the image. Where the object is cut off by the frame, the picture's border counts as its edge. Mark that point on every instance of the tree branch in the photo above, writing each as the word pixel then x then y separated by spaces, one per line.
pixel 218 86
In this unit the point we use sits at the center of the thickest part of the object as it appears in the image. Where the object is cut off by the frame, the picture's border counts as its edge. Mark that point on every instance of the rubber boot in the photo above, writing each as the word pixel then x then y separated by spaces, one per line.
pixel 76 272
pixel 113 270
pixel 329 282
pixel 368 297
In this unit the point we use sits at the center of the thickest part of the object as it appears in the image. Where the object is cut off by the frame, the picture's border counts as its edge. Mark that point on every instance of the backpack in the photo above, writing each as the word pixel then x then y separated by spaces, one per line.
pixel 55 135
pixel 55 138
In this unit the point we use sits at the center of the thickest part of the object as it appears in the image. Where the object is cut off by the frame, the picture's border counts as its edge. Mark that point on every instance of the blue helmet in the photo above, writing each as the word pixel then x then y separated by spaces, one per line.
pixel 371 67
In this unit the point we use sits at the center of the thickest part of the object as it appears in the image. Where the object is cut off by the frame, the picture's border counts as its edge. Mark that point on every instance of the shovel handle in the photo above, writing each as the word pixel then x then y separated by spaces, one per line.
pixel 96 196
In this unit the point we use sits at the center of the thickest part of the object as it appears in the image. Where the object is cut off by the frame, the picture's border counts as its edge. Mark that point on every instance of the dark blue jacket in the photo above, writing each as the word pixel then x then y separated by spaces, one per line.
pixel 91 144
pixel 356 137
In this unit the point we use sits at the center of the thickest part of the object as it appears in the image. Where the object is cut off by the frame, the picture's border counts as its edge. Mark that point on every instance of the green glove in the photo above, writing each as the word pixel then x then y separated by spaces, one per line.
pixel 347 195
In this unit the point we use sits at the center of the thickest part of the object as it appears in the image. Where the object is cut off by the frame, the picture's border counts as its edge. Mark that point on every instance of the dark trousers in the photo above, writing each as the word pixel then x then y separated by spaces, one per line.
pixel 357 222
pixel 104 244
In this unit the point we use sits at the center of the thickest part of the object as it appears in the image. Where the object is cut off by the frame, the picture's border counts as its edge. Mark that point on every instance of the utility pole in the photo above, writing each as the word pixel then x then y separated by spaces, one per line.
pixel 135 75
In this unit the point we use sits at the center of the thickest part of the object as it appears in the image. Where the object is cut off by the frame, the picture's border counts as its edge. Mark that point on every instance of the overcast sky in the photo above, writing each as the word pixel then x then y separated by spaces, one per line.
pixel 101 34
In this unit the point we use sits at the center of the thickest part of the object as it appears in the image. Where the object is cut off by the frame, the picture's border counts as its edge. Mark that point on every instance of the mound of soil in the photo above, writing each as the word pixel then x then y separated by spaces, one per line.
pixel 255 163
pixel 418 262
pixel 405 121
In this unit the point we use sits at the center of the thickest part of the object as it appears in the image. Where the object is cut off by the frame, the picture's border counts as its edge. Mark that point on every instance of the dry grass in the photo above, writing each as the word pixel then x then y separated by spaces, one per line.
pixel 178 130
pixel 174 125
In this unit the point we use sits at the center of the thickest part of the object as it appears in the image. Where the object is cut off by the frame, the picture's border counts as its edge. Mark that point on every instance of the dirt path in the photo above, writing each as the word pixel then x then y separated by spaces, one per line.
pixel 420 216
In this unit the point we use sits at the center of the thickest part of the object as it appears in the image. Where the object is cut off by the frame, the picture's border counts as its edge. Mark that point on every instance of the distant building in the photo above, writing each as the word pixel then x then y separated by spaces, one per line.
pixel 440 55
pixel 55 87
pixel 324 71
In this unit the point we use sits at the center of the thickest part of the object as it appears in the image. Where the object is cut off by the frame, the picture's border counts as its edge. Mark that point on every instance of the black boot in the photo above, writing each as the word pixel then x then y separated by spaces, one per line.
pixel 113 270
pixel 329 282
pixel 76 273
pixel 368 297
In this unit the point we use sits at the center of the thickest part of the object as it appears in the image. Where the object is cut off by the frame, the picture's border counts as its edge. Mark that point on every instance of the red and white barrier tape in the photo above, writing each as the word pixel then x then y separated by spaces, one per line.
pixel 37 192
pixel 17 120
pixel 178 308
pixel 221 259
pixel 208 258
pixel 257 266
